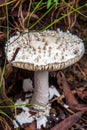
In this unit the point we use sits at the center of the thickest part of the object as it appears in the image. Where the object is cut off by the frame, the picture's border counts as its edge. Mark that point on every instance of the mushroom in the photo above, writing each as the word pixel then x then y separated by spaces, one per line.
pixel 43 52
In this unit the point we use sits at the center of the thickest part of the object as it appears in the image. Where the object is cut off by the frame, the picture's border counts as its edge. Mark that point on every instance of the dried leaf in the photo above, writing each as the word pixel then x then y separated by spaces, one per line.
pixel 31 127
pixel 80 107
pixel 70 99
pixel 82 94
pixel 68 122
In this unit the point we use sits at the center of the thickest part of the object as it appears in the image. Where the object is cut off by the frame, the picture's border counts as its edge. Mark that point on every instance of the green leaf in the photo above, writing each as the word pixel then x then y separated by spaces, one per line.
pixel 48 4
pixel 56 2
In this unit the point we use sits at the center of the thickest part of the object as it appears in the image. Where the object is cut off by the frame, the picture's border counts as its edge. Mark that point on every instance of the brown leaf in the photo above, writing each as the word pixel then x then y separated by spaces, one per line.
pixel 82 94
pixel 32 126
pixel 70 99
pixel 68 122
pixel 80 107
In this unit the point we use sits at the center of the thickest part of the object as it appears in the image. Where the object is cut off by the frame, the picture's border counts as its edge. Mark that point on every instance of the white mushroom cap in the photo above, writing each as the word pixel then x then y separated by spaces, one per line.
pixel 47 50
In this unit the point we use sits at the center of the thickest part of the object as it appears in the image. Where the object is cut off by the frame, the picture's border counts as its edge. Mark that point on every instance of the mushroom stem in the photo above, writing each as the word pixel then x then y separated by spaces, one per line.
pixel 40 96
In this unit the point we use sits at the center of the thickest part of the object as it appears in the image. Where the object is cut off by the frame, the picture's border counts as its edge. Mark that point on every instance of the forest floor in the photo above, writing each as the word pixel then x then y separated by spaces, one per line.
pixel 71 82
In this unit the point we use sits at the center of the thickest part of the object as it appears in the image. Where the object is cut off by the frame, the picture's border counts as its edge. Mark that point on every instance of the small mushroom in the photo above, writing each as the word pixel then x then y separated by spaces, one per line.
pixel 70 51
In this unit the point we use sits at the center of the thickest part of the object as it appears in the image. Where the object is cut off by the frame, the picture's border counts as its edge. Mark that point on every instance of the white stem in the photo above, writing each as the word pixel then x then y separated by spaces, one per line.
pixel 40 96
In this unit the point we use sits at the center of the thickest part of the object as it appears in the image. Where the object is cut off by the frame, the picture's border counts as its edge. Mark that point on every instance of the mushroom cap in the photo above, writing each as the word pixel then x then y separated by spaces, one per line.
pixel 47 50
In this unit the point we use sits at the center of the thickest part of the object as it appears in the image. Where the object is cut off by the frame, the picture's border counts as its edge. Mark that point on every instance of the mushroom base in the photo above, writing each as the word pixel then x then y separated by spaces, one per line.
pixel 40 96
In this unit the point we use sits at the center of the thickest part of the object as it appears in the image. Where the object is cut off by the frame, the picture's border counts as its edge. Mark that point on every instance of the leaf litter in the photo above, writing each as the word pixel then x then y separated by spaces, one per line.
pixel 69 110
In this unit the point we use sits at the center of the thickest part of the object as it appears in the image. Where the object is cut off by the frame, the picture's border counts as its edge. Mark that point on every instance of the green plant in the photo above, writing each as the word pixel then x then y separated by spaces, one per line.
pixel 65 15
pixel 50 2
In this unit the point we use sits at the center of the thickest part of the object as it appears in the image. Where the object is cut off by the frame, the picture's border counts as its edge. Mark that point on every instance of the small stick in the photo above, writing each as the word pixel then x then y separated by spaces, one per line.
pixel 17 50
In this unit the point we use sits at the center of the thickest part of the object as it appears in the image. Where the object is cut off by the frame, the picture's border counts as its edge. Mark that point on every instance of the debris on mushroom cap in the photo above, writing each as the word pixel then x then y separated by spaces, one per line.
pixel 47 50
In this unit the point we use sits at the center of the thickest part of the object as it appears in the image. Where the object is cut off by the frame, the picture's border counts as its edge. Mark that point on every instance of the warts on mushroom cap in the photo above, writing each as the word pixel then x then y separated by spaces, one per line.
pixel 45 48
